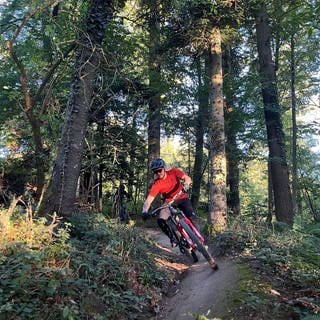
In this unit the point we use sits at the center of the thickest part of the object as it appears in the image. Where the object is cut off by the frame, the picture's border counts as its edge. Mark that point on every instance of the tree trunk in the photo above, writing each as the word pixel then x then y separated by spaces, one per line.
pixel 61 193
pixel 279 169
pixel 218 200
pixel 40 155
pixel 203 99
pixel 231 129
pixel 100 194
pixel 270 195
pixel 154 79
pixel 294 126
pixel 233 198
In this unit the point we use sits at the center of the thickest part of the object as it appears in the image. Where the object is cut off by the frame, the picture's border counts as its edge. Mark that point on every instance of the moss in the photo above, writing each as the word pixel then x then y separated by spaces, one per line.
pixel 251 299
pixel 246 281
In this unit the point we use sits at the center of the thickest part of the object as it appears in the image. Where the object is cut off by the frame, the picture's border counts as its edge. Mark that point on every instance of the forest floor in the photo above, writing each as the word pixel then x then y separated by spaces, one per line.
pixel 196 289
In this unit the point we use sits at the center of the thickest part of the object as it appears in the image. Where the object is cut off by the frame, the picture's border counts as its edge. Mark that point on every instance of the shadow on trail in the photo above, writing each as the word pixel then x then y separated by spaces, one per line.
pixel 197 290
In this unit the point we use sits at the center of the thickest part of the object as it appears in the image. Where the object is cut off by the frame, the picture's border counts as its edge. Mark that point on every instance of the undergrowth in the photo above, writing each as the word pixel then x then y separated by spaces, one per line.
pixel 91 268
pixel 287 265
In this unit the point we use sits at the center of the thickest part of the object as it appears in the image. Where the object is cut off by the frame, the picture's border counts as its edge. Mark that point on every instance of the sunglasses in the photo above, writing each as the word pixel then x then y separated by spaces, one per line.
pixel 158 171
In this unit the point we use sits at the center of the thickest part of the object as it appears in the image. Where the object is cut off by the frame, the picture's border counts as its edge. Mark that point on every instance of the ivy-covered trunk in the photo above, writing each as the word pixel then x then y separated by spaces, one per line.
pixel 61 193
pixel 218 199
pixel 278 164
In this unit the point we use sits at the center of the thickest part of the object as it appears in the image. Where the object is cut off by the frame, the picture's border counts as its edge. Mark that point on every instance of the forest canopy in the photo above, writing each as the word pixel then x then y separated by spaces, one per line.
pixel 150 80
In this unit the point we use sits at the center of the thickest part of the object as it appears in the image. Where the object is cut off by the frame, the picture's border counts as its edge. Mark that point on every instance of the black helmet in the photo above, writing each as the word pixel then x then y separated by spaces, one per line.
pixel 157 164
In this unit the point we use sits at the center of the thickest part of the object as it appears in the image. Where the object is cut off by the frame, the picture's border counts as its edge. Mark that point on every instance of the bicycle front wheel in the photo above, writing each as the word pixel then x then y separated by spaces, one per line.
pixel 200 246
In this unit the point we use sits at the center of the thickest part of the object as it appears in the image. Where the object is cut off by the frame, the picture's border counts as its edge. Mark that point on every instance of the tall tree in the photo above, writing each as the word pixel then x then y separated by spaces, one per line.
pixel 200 126
pixel 154 81
pixel 278 163
pixel 218 171
pixel 232 128
pixel 294 123
pixel 61 193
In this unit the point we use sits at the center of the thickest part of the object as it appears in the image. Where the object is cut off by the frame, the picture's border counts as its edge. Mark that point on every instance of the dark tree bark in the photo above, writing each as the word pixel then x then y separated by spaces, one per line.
pixel 270 195
pixel 233 197
pixel 279 168
pixel 154 79
pixel 61 193
pixel 294 124
pixel 201 124
pixel 218 200
pixel 231 129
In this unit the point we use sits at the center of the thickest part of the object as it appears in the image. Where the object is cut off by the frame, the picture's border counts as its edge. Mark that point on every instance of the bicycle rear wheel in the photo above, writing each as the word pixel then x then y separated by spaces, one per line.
pixel 201 248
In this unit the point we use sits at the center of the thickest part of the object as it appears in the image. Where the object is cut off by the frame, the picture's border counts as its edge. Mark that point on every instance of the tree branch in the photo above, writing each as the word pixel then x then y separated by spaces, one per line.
pixel 50 73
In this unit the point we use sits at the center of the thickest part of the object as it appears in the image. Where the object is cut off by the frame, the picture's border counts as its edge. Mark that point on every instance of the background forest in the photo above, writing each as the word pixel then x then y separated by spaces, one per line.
pixel 92 91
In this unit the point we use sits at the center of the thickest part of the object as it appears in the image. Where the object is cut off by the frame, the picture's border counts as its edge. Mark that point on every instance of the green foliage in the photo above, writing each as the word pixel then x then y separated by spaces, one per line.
pixel 102 271
pixel 290 255
pixel 254 187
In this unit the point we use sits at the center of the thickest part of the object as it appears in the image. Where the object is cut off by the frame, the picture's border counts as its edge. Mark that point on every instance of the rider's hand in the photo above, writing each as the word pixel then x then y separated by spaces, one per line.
pixel 186 187
pixel 145 215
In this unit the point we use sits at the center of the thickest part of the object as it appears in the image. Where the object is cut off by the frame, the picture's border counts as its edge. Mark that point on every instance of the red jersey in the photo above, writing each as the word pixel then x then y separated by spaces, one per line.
pixel 169 186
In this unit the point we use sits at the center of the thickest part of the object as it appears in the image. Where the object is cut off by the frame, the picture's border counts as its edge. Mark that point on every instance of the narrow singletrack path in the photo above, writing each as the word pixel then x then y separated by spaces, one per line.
pixel 200 290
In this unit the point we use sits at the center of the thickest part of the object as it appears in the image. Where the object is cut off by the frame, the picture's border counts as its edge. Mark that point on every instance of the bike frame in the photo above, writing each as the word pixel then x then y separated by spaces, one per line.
pixel 176 216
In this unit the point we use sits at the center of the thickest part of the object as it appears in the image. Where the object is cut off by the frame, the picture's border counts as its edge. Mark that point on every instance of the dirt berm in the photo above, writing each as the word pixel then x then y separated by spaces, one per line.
pixel 198 289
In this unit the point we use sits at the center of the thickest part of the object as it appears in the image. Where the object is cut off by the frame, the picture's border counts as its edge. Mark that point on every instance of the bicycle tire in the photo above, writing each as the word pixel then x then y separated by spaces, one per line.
pixel 200 246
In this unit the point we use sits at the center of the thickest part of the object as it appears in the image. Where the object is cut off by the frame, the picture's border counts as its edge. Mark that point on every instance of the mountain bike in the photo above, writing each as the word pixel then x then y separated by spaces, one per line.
pixel 185 234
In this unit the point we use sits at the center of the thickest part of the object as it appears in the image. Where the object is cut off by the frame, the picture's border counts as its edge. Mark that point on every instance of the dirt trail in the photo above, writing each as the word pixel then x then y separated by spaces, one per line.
pixel 201 291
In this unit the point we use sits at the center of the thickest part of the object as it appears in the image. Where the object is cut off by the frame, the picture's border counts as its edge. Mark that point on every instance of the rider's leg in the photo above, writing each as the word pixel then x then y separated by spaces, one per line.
pixel 164 227
pixel 186 206
pixel 166 230
pixel 162 223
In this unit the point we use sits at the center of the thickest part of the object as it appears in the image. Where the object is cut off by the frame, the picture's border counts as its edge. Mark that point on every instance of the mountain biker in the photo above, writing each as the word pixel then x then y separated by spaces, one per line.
pixel 168 183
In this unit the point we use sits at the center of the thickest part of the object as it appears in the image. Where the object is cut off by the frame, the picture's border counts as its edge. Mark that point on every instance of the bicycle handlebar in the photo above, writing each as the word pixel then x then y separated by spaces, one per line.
pixel 168 204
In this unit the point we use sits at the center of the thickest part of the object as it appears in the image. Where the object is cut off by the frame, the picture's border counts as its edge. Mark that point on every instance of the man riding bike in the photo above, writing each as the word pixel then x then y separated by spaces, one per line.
pixel 168 184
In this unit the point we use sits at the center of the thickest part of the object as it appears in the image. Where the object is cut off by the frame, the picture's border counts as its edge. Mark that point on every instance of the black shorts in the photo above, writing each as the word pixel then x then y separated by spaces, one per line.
pixel 185 206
